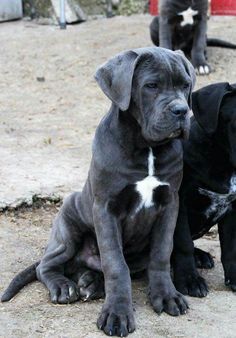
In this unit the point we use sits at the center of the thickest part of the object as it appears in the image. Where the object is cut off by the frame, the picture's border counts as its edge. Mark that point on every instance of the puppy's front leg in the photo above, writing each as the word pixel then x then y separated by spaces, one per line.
pixel 199 48
pixel 116 317
pixel 163 295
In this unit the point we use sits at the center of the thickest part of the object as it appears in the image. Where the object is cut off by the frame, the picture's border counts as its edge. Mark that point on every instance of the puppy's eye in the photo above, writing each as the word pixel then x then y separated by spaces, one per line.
pixel 151 85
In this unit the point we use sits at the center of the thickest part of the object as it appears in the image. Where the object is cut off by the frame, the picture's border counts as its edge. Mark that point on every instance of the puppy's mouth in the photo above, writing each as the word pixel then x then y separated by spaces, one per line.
pixel 176 134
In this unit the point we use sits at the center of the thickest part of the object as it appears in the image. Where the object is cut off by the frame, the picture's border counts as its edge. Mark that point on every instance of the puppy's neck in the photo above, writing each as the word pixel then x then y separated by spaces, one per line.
pixel 126 130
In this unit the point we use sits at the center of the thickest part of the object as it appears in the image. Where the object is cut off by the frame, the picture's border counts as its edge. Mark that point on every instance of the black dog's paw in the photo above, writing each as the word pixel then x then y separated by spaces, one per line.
pixel 63 291
pixel 203 259
pixel 192 285
pixel 230 277
pixel 116 320
pixel 91 285
pixel 173 303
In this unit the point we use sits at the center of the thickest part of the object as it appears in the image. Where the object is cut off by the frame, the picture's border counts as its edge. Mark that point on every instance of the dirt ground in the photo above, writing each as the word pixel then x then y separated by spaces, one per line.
pixel 49 108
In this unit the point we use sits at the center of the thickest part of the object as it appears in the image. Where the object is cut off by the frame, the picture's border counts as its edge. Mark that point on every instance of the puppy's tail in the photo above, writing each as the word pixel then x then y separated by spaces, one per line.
pixel 19 281
pixel 220 43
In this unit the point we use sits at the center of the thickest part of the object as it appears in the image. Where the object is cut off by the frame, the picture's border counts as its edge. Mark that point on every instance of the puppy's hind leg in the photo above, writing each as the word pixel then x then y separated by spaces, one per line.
pixel 63 245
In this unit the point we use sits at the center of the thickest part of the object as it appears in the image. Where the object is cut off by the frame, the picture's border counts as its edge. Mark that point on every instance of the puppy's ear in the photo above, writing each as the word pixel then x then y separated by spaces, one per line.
pixel 207 103
pixel 115 78
pixel 190 71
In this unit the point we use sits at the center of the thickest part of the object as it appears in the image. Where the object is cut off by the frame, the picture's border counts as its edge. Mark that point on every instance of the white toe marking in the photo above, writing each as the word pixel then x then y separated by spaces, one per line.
pixel 201 70
pixel 188 15
pixel 148 184
pixel 207 70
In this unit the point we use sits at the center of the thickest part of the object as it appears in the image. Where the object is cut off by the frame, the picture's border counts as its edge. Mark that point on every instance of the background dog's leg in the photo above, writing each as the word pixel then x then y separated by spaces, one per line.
pixel 163 295
pixel 117 312
pixel 154 31
pixel 199 48
pixel 165 37
pixel 63 245
pixel 227 233
pixel 186 277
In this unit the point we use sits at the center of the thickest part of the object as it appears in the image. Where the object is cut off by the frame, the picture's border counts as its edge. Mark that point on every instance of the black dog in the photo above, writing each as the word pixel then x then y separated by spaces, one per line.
pixel 124 219
pixel 208 190
pixel 182 24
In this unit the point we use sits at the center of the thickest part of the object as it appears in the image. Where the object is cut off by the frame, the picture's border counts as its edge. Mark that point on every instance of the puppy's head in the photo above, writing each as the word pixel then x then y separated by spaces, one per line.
pixel 155 86
pixel 214 108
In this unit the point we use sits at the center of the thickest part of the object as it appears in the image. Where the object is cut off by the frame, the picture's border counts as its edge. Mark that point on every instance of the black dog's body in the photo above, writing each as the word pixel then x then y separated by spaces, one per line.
pixel 208 190
pixel 169 30
pixel 124 219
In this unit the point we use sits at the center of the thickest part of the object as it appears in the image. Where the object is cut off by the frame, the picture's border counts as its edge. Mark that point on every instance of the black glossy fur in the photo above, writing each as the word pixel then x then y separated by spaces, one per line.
pixel 209 164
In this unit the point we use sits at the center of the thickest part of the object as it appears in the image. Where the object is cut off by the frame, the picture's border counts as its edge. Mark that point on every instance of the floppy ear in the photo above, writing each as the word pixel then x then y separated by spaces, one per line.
pixel 206 105
pixel 115 78
pixel 191 72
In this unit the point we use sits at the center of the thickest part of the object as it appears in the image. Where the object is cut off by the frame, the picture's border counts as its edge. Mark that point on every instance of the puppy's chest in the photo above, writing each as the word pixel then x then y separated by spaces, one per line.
pixel 145 196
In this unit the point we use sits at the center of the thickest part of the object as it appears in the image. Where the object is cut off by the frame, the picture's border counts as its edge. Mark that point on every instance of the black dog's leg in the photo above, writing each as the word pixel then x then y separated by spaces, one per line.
pixel 203 259
pixel 116 317
pixel 163 295
pixel 186 277
pixel 63 244
pixel 199 48
pixel 227 233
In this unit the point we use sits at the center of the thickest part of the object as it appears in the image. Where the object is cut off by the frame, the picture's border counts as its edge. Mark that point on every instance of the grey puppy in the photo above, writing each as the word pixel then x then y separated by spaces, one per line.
pixel 124 219
pixel 182 24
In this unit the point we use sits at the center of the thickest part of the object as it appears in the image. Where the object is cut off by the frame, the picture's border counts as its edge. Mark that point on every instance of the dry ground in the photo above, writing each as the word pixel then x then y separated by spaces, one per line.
pixel 46 129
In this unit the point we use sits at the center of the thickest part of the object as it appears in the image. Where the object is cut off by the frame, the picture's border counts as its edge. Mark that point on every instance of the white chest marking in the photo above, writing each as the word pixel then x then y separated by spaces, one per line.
pixel 188 15
pixel 148 184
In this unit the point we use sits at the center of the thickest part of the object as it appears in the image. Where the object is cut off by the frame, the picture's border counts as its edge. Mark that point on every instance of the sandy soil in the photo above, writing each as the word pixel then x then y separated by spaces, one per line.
pixel 49 108
pixel 50 103
pixel 23 237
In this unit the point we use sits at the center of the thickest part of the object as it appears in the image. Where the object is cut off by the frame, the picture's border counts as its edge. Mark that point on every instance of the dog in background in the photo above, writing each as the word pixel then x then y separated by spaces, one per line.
pixel 182 24
pixel 208 189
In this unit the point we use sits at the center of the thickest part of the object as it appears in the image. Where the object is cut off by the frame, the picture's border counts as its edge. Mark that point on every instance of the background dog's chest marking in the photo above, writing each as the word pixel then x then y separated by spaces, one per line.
pixel 188 15
pixel 146 186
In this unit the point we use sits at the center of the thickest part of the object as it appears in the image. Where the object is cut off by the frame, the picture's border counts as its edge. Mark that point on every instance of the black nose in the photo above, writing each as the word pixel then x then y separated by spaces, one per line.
pixel 179 111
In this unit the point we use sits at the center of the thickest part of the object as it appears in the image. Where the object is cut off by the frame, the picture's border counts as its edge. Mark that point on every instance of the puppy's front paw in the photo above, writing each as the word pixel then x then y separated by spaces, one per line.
pixel 171 302
pixel 202 69
pixel 116 319
pixel 192 285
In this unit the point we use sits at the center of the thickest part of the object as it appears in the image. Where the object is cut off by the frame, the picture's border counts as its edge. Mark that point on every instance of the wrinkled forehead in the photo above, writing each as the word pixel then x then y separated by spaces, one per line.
pixel 167 70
